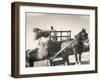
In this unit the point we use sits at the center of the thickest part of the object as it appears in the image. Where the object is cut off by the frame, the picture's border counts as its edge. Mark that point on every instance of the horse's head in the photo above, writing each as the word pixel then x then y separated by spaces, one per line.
pixel 40 33
pixel 82 36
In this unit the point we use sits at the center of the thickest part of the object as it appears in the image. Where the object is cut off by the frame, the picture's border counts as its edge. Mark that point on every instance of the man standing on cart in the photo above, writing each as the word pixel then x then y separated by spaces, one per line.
pixel 54 35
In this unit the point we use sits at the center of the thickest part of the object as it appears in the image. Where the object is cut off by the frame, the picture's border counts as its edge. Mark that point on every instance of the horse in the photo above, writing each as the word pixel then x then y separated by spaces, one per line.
pixel 40 52
pixel 45 50
pixel 77 46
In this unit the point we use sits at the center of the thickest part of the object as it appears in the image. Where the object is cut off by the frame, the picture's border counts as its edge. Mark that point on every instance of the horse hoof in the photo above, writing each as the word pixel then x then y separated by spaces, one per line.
pixel 76 63
pixel 48 62
pixel 79 63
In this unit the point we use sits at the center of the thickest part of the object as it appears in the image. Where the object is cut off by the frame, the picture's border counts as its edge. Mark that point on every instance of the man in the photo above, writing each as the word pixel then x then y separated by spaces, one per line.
pixel 54 36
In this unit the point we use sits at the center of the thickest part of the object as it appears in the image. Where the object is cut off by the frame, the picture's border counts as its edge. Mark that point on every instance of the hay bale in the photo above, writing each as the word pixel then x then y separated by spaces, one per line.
pixel 72 59
pixel 85 56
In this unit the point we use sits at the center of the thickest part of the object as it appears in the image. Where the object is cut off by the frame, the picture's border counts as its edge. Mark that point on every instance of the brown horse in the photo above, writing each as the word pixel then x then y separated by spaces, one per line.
pixel 46 47
pixel 41 51
pixel 77 46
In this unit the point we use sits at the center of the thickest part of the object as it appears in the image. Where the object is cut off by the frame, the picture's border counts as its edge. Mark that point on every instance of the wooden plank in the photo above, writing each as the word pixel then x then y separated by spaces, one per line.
pixel 62 31
pixel 61 36
pixel 67 36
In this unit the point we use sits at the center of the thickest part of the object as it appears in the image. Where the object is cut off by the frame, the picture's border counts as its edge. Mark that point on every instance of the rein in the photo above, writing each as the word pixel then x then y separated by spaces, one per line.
pixel 62 50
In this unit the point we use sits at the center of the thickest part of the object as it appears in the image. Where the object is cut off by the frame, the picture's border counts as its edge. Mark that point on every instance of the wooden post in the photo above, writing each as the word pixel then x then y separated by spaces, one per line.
pixel 70 34
pixel 61 36
pixel 50 35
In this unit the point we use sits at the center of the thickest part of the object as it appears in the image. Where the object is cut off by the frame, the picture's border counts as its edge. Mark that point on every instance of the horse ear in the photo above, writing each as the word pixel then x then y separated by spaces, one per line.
pixel 36 30
pixel 85 29
pixel 51 27
pixel 82 29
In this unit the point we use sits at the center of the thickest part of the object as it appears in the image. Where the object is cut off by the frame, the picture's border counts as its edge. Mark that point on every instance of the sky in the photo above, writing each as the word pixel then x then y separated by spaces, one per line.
pixel 44 21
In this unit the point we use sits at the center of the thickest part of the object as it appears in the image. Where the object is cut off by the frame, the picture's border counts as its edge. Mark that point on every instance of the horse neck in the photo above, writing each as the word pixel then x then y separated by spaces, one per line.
pixel 43 46
pixel 78 38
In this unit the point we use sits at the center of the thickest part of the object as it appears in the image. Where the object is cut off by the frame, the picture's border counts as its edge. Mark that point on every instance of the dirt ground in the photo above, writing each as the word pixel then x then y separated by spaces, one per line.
pixel 85 58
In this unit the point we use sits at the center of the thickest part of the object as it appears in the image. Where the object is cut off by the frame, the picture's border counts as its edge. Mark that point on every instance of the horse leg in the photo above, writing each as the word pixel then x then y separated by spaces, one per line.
pixel 30 64
pixel 67 59
pixel 27 64
pixel 76 58
pixel 51 63
pixel 48 63
pixel 79 58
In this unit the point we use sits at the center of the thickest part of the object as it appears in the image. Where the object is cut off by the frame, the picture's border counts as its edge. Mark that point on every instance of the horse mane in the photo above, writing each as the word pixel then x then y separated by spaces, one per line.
pixel 41 33
pixel 36 30
pixel 79 35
